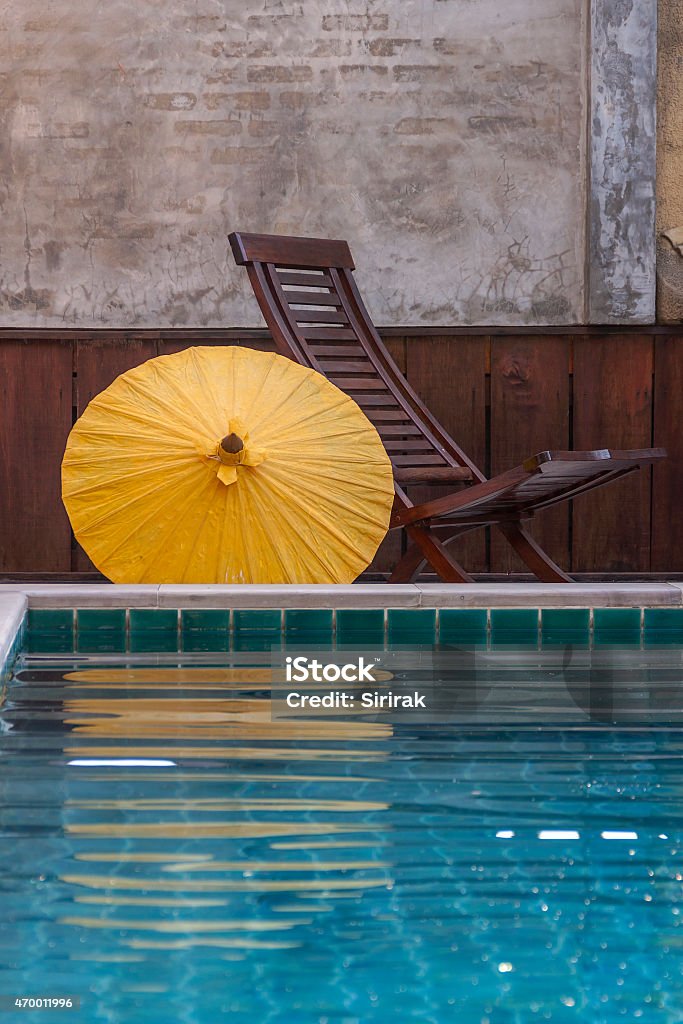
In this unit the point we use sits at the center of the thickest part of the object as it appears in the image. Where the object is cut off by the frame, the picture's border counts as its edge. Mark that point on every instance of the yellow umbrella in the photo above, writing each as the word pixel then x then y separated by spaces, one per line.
pixel 226 465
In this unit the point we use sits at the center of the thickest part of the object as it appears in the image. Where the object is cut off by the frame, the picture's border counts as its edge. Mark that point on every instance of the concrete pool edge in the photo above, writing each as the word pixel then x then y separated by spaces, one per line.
pixel 13 613
pixel 358 596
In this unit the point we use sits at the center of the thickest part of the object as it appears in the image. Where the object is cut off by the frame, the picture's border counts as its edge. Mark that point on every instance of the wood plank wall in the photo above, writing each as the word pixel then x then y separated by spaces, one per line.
pixel 503 396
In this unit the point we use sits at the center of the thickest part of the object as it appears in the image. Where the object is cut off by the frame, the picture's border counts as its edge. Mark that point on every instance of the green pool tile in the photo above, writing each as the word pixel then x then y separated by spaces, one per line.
pixel 146 620
pixel 92 619
pixel 411 625
pixel 617 640
pixel 49 643
pixel 514 625
pixel 313 625
pixel 51 620
pixel 153 640
pixel 360 626
pixel 101 641
pixel 212 619
pixel 562 624
pixel 462 625
pixel 621 624
pixel 206 640
pixel 257 620
pixel 257 642
pixel 663 624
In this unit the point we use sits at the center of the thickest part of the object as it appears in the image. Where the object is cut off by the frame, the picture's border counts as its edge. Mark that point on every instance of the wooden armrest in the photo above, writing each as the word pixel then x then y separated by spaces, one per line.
pixel 432 474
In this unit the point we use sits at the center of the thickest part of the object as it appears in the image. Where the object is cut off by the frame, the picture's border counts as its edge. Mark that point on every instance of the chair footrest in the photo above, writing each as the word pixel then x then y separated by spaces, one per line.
pixel 538 483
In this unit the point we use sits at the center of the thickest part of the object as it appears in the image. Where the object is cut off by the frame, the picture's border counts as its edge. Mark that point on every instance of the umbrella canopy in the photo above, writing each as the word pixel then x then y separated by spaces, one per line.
pixel 226 465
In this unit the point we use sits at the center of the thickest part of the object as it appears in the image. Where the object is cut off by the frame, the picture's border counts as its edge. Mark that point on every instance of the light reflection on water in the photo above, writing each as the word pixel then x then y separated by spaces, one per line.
pixel 344 871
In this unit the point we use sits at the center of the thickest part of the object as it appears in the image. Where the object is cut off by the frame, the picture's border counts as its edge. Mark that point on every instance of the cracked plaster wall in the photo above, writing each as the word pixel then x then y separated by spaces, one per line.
pixel 443 138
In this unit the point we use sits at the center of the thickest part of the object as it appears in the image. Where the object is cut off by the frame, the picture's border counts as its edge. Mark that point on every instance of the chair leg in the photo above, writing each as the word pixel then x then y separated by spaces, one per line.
pixel 408 565
pixel 532 554
pixel 428 548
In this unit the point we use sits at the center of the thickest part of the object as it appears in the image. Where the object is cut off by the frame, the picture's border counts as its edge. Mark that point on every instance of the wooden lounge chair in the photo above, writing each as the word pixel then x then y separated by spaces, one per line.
pixel 308 296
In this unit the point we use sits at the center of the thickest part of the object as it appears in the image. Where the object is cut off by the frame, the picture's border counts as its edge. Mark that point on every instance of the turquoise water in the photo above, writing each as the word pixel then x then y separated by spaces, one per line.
pixel 521 859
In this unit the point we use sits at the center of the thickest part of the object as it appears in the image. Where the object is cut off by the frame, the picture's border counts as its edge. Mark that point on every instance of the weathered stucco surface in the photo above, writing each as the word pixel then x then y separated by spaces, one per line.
pixel 622 172
pixel 670 160
pixel 443 138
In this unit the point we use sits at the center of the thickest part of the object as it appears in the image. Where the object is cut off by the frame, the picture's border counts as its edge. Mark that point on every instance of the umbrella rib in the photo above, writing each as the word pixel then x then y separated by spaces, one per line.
pixel 259 525
pixel 317 416
pixel 199 531
pixel 137 474
pixel 206 382
pixel 221 572
pixel 331 530
pixel 149 466
pixel 155 512
pixel 174 411
pixel 163 545
pixel 356 436
pixel 332 499
pixel 271 412
pixel 257 396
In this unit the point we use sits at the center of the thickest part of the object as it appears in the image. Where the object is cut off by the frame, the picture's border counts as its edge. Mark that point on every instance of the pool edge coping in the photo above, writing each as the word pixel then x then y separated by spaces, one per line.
pixel 13 614
pixel 358 596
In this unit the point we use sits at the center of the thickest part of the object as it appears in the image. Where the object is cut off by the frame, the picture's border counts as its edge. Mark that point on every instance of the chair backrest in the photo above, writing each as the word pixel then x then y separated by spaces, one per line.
pixel 309 299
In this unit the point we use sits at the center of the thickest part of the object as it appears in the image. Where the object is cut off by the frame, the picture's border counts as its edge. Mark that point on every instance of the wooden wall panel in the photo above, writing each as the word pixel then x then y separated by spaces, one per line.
pixel 98 362
pixel 667 487
pixel 35 419
pixel 170 345
pixel 613 409
pixel 529 414
pixel 611 530
pixel 449 375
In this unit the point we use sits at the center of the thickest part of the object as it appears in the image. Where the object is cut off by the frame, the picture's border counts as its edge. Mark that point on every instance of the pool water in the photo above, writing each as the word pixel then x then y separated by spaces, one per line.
pixel 172 853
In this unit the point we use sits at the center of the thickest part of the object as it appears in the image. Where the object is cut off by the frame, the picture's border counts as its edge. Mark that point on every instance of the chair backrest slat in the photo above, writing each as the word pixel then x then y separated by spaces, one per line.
pixel 422 413
pixel 306 279
pixel 312 297
pixel 289 251
pixel 307 294
pixel 341 335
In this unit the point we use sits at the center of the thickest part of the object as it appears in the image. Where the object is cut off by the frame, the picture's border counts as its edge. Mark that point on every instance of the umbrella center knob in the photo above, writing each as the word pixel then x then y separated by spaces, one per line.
pixel 233 450
pixel 231 444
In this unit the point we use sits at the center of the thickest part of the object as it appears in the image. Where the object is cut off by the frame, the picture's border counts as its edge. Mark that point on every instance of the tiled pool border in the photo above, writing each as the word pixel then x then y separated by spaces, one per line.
pixel 416 613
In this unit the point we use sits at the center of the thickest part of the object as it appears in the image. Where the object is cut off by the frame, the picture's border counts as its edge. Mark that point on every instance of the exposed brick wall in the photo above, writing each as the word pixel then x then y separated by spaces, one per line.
pixel 442 137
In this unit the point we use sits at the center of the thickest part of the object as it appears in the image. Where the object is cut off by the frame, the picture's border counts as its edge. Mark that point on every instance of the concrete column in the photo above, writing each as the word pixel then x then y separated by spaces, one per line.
pixel 622 157
pixel 670 163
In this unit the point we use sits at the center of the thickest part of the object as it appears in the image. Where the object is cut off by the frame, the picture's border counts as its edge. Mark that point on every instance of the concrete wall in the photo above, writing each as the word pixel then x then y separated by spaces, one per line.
pixel 622 160
pixel 443 138
pixel 670 163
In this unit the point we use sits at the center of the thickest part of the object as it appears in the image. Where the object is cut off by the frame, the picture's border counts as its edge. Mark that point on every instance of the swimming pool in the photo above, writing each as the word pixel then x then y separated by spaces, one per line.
pixel 172 852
